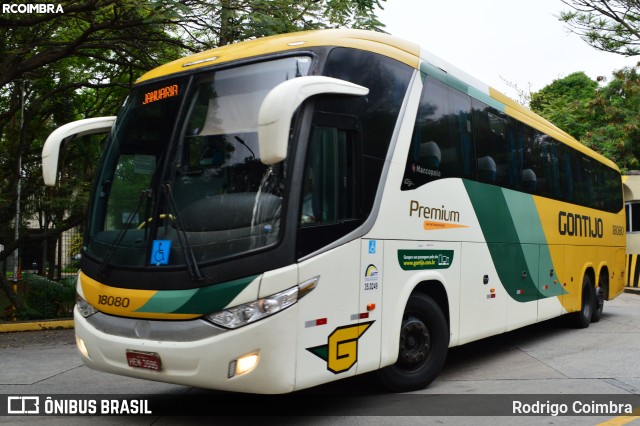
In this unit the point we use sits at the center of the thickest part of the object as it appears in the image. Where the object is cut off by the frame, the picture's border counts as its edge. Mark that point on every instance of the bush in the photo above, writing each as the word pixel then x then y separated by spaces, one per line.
pixel 46 299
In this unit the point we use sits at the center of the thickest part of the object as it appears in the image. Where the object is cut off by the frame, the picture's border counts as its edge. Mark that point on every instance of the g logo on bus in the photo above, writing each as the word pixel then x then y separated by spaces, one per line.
pixel 341 350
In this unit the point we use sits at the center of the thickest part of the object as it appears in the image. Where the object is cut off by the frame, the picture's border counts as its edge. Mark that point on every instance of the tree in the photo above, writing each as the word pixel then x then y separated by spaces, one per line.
pixel 564 102
pixel 605 118
pixel 60 67
pixel 217 23
pixel 56 68
pixel 615 119
pixel 608 25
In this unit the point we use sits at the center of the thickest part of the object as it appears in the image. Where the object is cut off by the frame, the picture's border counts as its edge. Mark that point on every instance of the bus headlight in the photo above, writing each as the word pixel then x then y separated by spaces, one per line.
pixel 241 315
pixel 85 309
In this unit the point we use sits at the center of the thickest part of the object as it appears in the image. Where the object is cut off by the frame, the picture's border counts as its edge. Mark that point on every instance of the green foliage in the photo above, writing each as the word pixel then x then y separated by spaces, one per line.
pixel 610 119
pixel 605 118
pixel 564 102
pixel 229 21
pixel 608 25
pixel 59 68
pixel 75 245
pixel 615 119
pixel 46 299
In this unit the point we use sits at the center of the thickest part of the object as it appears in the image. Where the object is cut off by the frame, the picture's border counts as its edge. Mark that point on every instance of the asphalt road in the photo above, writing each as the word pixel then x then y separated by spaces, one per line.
pixel 549 364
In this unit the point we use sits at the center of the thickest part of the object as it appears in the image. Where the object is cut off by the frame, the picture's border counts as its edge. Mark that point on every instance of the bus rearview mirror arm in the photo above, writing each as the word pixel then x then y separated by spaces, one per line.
pixel 278 107
pixel 51 148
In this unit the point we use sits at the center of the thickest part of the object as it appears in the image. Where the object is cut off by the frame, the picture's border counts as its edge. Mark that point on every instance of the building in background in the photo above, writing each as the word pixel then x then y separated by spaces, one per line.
pixel 631 187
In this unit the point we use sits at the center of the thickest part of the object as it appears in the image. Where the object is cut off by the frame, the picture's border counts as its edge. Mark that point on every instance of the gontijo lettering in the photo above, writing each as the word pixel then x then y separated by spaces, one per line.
pixel 159 94
pixel 579 225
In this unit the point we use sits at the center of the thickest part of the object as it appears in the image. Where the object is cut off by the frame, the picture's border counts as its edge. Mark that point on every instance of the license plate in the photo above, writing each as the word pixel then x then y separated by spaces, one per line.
pixel 144 360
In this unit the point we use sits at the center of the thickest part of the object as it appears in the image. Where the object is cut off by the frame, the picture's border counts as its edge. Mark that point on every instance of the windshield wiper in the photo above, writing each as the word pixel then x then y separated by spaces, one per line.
pixel 189 256
pixel 145 194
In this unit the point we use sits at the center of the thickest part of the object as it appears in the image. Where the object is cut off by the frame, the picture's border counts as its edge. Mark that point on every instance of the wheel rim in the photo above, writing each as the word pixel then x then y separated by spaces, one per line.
pixel 587 302
pixel 599 297
pixel 415 344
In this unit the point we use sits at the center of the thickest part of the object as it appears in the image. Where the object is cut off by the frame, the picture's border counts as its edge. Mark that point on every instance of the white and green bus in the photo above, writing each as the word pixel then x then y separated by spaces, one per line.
pixel 289 211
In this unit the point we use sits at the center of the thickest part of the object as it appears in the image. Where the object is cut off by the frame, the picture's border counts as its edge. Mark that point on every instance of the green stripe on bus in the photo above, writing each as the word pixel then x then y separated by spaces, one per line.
pixel 196 301
pixel 516 263
pixel 523 210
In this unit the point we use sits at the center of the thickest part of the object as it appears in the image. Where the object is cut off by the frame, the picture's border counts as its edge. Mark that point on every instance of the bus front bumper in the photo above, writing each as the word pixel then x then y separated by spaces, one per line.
pixel 215 362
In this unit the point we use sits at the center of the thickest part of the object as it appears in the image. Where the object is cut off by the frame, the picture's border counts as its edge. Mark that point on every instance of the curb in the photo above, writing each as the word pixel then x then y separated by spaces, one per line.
pixel 35 325
pixel 632 290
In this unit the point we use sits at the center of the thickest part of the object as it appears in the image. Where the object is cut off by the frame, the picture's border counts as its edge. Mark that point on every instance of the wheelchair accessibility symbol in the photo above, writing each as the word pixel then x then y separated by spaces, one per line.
pixel 160 252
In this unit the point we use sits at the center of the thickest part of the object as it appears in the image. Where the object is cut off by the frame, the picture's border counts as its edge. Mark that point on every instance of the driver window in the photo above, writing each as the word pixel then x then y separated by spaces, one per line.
pixel 329 184
pixel 330 205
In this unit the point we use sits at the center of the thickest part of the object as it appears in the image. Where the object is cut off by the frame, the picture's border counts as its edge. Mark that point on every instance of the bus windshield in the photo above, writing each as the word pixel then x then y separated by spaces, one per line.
pixel 177 187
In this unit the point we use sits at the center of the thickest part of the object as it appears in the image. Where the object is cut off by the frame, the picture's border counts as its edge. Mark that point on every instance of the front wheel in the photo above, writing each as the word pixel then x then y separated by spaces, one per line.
pixel 424 342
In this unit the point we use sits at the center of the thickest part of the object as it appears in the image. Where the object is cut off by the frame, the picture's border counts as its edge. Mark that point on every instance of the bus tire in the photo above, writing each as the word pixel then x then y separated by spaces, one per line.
pixel 600 295
pixel 423 346
pixel 582 318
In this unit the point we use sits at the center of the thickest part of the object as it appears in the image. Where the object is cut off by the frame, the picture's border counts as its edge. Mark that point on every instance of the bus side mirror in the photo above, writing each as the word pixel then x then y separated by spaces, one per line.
pixel 278 107
pixel 51 148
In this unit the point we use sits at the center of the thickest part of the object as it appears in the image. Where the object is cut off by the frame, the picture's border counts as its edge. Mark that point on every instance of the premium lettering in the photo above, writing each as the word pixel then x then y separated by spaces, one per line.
pixel 433 213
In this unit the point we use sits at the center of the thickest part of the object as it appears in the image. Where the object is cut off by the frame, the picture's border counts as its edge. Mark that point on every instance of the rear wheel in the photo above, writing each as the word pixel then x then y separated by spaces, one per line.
pixel 600 295
pixel 424 342
pixel 582 318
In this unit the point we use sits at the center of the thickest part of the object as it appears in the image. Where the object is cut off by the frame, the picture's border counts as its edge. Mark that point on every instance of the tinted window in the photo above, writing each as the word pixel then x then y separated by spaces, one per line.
pixel 331 205
pixel 633 217
pixel 329 194
pixel 377 113
pixel 441 144
pixel 499 159
pixel 451 139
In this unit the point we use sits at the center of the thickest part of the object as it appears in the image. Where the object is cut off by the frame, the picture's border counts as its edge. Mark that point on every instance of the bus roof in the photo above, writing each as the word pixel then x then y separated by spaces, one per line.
pixel 384 44
pixel 402 50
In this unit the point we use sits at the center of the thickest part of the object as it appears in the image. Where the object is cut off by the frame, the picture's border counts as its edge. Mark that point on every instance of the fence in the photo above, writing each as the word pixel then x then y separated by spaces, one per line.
pixel 44 287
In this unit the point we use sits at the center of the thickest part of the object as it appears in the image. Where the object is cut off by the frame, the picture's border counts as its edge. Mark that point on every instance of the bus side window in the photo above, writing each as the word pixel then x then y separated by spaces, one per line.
pixel 331 203
pixel 498 158
pixel 441 144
